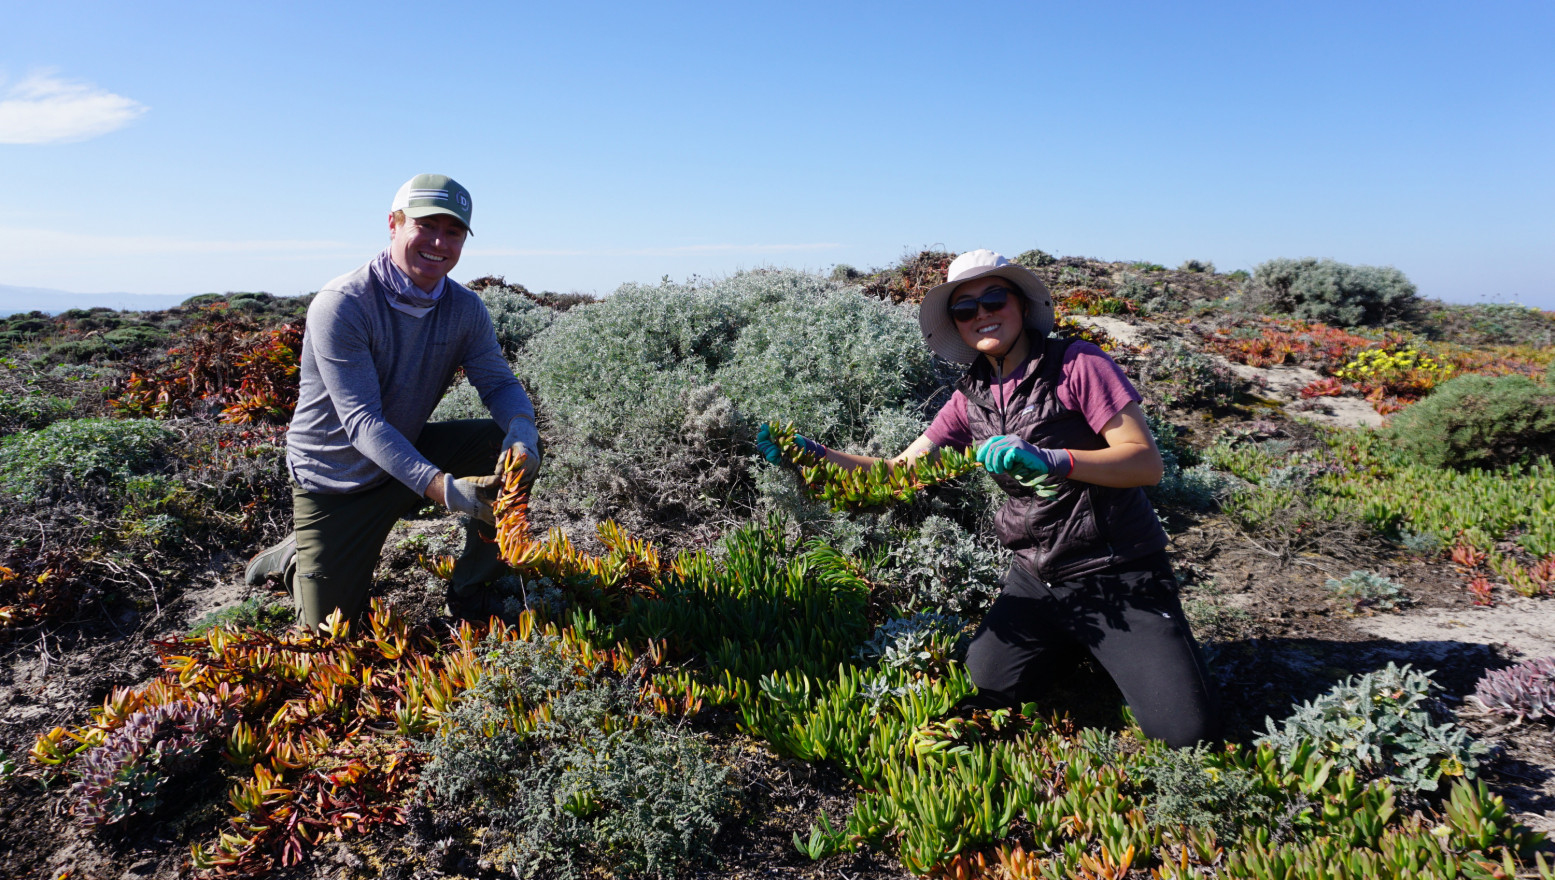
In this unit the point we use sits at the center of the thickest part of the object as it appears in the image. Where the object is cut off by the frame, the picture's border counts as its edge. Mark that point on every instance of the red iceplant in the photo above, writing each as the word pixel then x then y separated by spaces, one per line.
pixel 1543 571
pixel 1467 555
pixel 1327 386
pixel 1480 587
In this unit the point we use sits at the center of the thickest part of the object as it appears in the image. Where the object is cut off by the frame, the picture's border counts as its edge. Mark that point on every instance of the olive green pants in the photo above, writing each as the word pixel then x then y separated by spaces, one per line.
pixel 339 537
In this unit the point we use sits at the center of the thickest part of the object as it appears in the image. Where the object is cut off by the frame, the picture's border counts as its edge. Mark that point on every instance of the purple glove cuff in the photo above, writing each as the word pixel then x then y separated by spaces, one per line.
pixel 810 447
pixel 1060 462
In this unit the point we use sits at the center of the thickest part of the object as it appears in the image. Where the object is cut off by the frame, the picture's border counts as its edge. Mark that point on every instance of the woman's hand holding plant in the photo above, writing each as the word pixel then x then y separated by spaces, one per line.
pixel 771 451
pixel 1008 454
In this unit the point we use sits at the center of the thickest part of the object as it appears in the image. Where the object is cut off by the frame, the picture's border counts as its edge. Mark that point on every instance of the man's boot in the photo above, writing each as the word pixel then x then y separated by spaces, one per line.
pixel 271 562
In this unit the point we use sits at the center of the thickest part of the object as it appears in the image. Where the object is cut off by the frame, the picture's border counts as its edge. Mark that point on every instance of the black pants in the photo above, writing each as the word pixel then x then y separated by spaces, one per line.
pixel 1128 618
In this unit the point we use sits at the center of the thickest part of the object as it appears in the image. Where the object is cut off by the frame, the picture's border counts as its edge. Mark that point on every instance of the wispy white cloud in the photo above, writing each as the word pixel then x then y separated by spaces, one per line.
pixel 683 250
pixel 34 245
pixel 45 109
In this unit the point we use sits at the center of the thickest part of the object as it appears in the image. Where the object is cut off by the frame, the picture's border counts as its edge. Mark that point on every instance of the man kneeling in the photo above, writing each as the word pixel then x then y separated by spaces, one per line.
pixel 381 347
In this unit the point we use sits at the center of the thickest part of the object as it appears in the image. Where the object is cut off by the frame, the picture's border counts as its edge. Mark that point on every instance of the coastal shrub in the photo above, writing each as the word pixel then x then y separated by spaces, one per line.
pixel 1333 292
pixel 1157 298
pixel 1035 258
pixel 591 786
pixel 651 396
pixel 40 464
pixel 462 401
pixel 829 360
pixel 1174 375
pixel 1197 266
pixel 1379 724
pixel 514 316
pixel 27 410
pixel 1490 323
pixel 1199 487
pixel 940 566
pixel 1479 421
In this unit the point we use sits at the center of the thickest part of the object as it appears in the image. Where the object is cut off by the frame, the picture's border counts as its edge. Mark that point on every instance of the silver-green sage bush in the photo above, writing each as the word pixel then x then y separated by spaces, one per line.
pixel 652 396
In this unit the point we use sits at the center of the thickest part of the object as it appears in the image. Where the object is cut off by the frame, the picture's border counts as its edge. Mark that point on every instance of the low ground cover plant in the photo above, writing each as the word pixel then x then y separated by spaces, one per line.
pixel 1174 375
pixel 597 783
pixel 1381 724
pixel 1362 591
pixel 46 463
pixel 1523 691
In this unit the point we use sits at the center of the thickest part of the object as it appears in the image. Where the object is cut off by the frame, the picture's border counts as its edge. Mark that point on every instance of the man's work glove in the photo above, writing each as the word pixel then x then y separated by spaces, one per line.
pixel 522 435
pixel 773 453
pixel 472 496
pixel 1008 454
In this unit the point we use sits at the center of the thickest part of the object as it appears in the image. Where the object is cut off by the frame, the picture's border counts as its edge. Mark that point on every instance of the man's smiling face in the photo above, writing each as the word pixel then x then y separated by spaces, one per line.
pixel 427 248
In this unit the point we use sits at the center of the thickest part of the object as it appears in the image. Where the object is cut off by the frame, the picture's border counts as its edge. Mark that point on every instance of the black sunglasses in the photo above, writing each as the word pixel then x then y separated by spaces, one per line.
pixel 993 299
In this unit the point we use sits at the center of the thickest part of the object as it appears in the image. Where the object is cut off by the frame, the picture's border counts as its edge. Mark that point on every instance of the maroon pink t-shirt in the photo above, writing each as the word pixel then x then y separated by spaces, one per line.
pixel 1090 382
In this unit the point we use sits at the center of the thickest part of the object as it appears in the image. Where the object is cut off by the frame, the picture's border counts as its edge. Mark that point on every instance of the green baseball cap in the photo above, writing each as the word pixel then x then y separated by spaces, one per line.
pixel 428 194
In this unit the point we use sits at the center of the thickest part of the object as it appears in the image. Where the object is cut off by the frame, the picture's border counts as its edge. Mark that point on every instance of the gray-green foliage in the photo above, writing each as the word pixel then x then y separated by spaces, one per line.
pixel 1380 725
pixel 1184 793
pixel 1199 487
pixel 1172 374
pixel 462 401
pixel 922 642
pixel 1424 544
pixel 1333 292
pixel 941 566
pixel 1036 258
pixel 1196 486
pixel 1479 421
pixel 257 612
pixel 515 317
pixel 597 788
pixel 39 464
pixel 1362 590
pixel 652 395
pixel 30 410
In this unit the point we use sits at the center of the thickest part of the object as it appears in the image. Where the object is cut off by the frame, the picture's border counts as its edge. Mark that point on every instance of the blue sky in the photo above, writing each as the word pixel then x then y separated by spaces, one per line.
pixel 180 147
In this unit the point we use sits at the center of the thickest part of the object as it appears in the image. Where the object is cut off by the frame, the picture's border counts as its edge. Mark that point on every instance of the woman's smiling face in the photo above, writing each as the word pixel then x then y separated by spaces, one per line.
pixel 992 333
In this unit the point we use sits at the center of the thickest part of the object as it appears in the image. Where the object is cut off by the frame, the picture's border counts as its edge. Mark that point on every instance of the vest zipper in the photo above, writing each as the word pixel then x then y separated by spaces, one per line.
pixel 1004 395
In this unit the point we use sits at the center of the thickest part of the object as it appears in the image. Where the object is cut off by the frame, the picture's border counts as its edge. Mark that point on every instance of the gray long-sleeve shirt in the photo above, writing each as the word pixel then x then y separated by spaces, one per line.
pixel 371 376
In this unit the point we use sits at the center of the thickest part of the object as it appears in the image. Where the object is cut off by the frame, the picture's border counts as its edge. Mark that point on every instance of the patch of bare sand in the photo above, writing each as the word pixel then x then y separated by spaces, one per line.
pixel 1523 628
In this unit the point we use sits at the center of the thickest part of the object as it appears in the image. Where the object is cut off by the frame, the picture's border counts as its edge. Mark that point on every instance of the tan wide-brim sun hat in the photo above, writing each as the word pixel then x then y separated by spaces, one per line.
pixel 939 329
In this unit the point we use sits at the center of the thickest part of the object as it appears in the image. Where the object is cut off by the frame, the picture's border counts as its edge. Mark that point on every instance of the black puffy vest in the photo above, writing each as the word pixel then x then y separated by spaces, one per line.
pixel 1085 528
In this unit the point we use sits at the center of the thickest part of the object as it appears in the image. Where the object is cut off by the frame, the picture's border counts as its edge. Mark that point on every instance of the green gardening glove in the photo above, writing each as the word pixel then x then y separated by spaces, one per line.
pixel 774 453
pixel 1027 464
